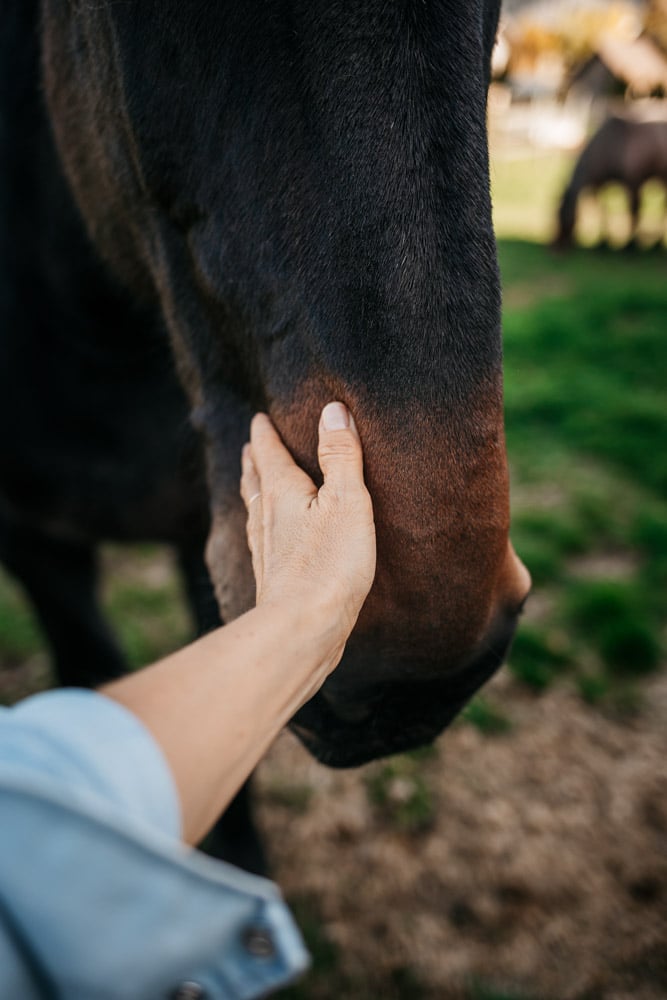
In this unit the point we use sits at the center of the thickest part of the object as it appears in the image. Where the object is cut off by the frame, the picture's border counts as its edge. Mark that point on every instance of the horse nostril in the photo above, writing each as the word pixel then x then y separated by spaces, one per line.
pixel 346 711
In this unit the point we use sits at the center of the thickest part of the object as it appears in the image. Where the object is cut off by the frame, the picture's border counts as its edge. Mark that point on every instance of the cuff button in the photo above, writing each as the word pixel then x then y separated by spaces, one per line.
pixel 258 942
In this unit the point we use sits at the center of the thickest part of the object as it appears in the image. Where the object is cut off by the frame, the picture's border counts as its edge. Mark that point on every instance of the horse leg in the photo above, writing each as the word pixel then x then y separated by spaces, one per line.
pixel 60 578
pixel 234 838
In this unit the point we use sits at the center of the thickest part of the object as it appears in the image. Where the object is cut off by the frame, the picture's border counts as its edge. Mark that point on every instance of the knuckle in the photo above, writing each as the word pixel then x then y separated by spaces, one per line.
pixel 344 447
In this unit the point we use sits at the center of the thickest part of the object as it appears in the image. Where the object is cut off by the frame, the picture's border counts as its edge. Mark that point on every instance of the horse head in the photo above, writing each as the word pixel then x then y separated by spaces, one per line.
pixel 304 190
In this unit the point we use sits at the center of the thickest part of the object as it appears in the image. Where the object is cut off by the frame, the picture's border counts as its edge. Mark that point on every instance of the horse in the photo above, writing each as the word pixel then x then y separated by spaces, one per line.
pixel 622 151
pixel 216 209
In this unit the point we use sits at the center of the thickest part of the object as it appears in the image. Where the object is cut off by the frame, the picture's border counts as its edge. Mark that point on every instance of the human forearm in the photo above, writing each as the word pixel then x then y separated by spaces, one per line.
pixel 215 706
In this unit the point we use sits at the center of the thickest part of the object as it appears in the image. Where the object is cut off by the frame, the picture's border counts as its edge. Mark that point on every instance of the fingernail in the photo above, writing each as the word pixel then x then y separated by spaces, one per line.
pixel 335 417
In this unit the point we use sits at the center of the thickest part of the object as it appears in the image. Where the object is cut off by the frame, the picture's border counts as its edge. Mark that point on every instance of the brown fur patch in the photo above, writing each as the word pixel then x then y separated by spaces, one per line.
pixel 439 483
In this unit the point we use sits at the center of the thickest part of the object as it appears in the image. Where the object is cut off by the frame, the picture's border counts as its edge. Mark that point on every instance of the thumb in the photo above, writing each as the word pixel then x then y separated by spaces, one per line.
pixel 339 449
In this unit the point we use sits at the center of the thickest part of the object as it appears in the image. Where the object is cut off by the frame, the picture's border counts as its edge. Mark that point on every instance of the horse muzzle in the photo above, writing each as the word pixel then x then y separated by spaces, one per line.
pixel 347 728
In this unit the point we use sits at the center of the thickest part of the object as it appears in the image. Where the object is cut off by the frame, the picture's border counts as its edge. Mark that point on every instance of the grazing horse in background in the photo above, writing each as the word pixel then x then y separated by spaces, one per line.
pixel 622 151
pixel 285 203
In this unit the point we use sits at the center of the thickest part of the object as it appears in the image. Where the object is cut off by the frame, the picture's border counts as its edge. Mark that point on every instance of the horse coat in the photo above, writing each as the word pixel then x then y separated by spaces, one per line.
pixel 285 204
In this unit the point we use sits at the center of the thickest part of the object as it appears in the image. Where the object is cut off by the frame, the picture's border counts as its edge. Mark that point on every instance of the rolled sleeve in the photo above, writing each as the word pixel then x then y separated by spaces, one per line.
pixel 101 910
pixel 98 898
pixel 95 748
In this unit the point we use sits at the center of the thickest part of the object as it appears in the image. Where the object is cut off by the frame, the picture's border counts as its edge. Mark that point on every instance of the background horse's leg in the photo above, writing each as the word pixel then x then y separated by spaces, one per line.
pixel 234 837
pixel 635 204
pixel 60 578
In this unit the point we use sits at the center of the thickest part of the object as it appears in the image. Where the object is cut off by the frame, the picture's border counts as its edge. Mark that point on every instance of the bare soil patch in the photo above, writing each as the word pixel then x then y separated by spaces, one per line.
pixel 543 873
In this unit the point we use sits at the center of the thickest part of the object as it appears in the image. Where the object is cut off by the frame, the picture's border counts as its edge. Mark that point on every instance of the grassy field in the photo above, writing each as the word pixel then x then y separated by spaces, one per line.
pixel 585 363
pixel 586 355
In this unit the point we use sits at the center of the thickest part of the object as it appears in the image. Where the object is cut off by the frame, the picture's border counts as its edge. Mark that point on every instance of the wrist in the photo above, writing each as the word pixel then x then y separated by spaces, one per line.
pixel 312 630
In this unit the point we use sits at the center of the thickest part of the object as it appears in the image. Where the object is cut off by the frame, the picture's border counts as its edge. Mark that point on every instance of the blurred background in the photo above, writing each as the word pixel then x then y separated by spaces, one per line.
pixel 524 856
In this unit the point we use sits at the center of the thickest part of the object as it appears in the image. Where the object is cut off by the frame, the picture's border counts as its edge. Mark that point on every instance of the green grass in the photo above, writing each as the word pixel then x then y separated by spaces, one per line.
pixel 20 636
pixel 141 596
pixel 586 413
pixel 612 617
pixel 400 792
pixel 538 655
pixel 150 619
pixel 585 370
pixel 486 717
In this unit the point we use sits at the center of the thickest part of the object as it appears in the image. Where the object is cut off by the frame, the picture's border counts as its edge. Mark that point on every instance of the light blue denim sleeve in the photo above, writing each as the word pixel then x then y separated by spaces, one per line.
pixel 95 747
pixel 98 899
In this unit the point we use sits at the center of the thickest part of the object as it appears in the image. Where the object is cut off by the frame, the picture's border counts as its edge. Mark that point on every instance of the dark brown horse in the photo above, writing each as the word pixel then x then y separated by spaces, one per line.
pixel 291 201
pixel 624 152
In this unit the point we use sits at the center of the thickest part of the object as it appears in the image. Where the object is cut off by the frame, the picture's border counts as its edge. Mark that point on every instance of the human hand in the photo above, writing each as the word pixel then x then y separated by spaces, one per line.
pixel 313 550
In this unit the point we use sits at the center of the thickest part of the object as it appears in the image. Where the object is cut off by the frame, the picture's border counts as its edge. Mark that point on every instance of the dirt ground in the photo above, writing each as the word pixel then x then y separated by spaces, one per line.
pixel 542 874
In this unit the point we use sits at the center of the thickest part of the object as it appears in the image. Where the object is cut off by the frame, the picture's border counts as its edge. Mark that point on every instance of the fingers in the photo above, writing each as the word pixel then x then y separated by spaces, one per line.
pixel 273 461
pixel 339 449
pixel 298 534
pixel 269 453
pixel 266 459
